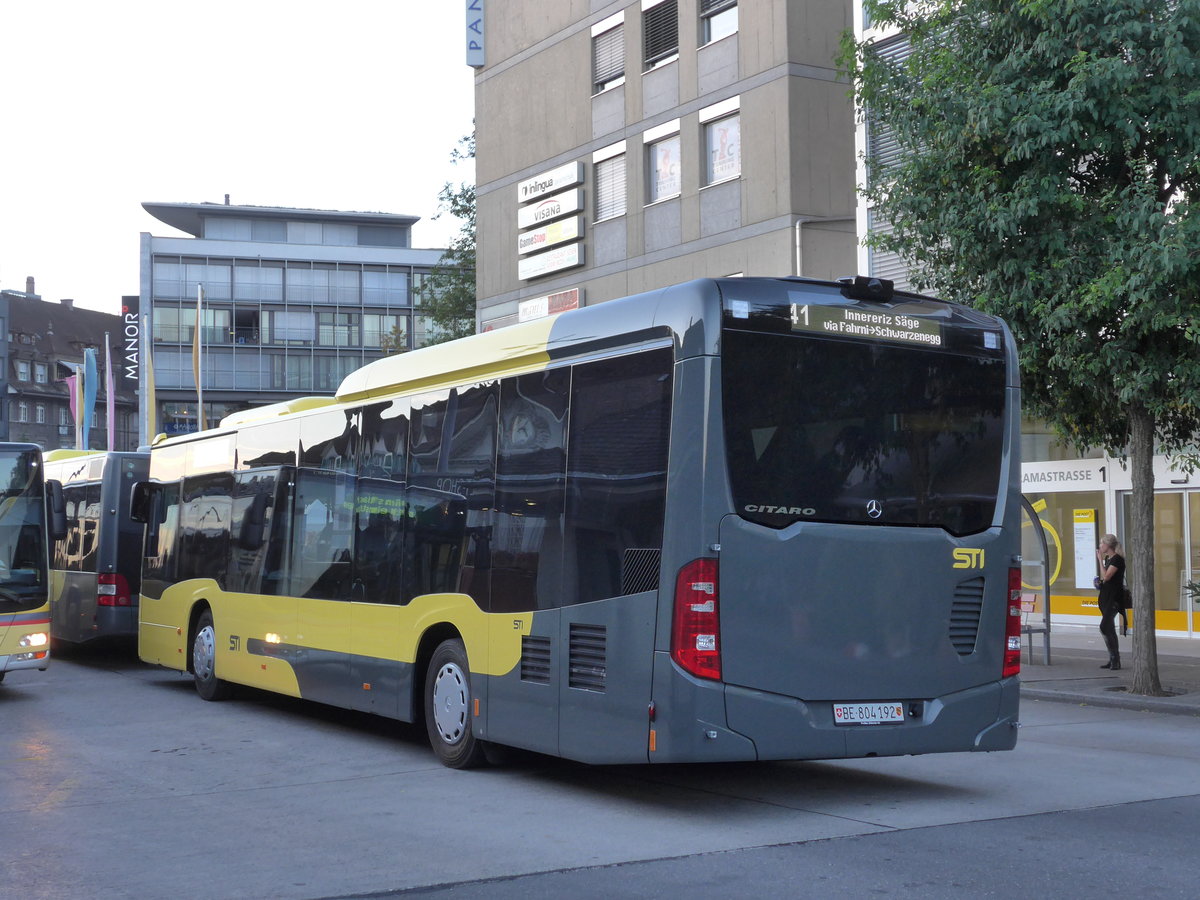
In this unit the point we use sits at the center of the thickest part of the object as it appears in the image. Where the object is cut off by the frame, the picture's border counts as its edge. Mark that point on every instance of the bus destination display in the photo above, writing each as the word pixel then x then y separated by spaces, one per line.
pixel 860 323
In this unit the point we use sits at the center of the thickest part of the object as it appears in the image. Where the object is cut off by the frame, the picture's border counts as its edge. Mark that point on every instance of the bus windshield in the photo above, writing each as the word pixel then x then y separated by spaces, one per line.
pixel 861 432
pixel 22 532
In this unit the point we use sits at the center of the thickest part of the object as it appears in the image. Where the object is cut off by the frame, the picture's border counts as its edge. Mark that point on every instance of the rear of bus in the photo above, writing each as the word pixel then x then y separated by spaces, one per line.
pixel 846 572
pixel 96 566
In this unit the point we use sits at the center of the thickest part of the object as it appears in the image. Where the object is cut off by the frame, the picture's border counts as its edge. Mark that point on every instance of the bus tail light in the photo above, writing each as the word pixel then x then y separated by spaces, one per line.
pixel 1012 626
pixel 112 590
pixel 695 629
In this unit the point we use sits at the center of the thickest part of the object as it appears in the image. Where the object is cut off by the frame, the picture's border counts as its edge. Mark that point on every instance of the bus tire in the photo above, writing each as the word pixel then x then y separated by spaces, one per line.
pixel 204 661
pixel 448 707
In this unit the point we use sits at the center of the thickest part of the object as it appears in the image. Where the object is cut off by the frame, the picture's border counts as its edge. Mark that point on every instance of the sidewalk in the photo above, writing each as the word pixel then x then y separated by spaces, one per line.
pixel 1075 676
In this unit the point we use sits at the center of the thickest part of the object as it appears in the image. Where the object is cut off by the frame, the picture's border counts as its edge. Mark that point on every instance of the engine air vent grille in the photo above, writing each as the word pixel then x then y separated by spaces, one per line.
pixel 535 658
pixel 964 615
pixel 588 657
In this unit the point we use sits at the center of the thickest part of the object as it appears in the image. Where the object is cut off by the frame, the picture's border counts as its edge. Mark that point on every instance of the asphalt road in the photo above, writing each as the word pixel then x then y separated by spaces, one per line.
pixel 116 781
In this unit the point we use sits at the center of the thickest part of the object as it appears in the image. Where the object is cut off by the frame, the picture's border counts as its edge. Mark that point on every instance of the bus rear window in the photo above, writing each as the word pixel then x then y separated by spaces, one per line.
pixel 861 432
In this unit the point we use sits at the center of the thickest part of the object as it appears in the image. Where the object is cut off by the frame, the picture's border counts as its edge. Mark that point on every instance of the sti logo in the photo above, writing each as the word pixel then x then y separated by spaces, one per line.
pixel 968 557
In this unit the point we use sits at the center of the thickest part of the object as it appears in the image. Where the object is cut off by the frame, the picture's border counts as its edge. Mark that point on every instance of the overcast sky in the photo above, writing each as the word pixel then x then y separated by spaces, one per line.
pixel 348 105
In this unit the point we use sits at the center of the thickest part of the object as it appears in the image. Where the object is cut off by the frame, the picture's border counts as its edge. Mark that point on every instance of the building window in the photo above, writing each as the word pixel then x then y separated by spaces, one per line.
pixel 290 327
pixel 608 53
pixel 662 164
pixel 337 329
pixel 718 19
pixel 64 416
pixel 660 32
pixel 22 370
pixel 379 330
pixel 722 149
pixel 39 414
pixel 22 411
pixel 40 373
pixel 609 172
pixel 260 283
pixel 383 287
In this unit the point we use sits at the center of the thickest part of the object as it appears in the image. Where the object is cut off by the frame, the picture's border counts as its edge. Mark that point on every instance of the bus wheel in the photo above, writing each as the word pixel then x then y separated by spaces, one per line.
pixel 204 661
pixel 448 707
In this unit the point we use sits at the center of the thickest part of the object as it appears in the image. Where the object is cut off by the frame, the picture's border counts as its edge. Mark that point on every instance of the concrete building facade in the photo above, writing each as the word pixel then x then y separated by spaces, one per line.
pixel 623 146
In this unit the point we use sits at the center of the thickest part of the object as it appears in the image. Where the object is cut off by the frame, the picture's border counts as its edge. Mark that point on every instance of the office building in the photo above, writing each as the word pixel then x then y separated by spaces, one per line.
pixel 623 146
pixel 292 300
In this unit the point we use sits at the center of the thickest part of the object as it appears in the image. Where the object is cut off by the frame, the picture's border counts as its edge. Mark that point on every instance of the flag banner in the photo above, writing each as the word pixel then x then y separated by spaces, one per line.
pixel 75 400
pixel 110 399
pixel 71 382
pixel 90 386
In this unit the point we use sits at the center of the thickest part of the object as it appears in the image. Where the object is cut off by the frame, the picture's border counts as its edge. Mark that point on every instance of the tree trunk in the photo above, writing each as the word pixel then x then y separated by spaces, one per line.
pixel 1139 552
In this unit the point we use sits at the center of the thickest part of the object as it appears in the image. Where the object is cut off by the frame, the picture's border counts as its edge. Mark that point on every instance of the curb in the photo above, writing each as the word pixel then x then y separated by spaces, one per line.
pixel 1116 700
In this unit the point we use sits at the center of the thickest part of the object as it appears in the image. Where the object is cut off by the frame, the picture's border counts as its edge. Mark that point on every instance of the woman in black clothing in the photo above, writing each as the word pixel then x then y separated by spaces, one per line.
pixel 1112 590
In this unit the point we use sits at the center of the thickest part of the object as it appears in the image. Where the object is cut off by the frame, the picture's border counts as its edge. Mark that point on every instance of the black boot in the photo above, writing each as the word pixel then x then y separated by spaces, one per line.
pixel 1115 662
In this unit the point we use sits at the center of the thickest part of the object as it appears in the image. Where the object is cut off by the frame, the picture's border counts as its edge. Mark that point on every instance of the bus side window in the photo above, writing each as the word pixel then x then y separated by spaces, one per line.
pixel 530 485
pixel 250 568
pixel 322 535
pixel 89 520
pixel 67 555
pixel 617 480
pixel 204 527
pixel 161 529
pixel 380 503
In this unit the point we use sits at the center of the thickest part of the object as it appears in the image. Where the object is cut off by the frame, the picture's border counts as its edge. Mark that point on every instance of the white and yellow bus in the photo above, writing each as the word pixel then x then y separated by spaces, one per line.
pixel 30 515
pixel 729 520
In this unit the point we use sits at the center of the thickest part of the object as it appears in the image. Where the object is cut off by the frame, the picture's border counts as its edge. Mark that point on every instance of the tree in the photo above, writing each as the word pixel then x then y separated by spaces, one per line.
pixel 395 341
pixel 449 291
pixel 1046 172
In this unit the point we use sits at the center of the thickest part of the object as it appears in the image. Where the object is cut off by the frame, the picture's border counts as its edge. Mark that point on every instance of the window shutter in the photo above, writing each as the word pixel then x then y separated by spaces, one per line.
pixel 885 264
pixel 608 56
pixel 660 25
pixel 610 188
pixel 883 151
pixel 708 7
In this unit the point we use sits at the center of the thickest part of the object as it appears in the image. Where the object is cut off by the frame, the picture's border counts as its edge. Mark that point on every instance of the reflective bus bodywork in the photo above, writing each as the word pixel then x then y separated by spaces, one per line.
pixel 24 611
pixel 728 520
pixel 95 569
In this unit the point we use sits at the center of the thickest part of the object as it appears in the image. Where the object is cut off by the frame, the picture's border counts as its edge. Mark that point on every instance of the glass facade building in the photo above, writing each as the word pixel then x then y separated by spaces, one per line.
pixel 273 303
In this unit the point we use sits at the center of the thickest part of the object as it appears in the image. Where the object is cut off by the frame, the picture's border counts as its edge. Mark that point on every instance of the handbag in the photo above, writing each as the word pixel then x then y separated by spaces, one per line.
pixel 1126 598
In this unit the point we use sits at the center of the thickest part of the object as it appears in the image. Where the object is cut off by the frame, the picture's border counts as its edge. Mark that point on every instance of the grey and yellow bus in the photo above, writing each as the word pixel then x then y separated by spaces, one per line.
pixel 736 519
pixel 30 512
pixel 96 568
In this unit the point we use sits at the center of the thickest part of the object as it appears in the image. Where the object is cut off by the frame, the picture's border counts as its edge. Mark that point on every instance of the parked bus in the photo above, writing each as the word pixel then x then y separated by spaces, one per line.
pixel 27 517
pixel 96 568
pixel 736 519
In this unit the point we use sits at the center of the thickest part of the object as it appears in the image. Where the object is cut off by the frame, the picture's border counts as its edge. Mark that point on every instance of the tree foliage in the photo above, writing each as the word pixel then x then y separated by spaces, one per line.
pixel 448 296
pixel 1048 172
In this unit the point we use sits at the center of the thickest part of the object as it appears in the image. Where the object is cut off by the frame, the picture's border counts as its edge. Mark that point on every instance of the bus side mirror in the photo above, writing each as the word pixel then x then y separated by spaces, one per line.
pixel 250 535
pixel 56 510
pixel 140 502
